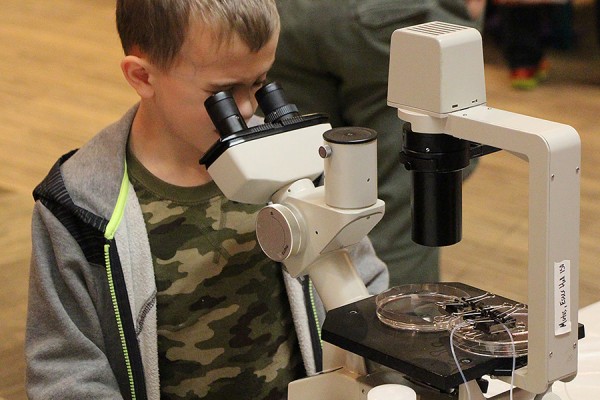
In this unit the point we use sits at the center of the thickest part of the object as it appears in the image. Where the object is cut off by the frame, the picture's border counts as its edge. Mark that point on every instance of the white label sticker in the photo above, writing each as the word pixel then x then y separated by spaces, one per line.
pixel 562 297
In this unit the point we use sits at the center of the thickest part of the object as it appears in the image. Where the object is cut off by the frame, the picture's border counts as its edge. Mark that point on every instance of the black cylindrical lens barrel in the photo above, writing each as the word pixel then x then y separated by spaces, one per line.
pixel 437 208
pixel 436 161
pixel 224 113
pixel 273 103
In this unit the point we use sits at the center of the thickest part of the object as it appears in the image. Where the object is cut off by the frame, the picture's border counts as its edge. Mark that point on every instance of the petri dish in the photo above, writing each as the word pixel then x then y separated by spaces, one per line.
pixel 417 307
pixel 497 344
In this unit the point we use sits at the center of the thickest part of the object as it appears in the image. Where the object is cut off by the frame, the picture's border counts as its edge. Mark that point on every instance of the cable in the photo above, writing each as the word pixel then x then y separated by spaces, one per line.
pixel 514 360
pixel 514 357
pixel 458 326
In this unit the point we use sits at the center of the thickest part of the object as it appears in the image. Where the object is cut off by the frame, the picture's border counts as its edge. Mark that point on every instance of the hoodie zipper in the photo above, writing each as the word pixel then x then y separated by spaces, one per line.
pixel 109 234
pixel 313 323
pixel 115 305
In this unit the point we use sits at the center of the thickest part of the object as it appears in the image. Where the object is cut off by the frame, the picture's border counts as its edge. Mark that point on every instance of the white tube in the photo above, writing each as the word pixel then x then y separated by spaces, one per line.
pixel 350 167
pixel 391 392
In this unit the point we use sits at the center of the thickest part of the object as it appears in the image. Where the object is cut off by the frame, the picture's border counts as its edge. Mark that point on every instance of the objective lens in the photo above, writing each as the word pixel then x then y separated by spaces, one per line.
pixel 224 113
pixel 273 103
pixel 436 161
pixel 437 208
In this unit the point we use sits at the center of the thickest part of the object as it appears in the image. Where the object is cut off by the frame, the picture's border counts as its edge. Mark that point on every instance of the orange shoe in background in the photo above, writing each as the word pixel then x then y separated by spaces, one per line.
pixel 527 78
pixel 543 70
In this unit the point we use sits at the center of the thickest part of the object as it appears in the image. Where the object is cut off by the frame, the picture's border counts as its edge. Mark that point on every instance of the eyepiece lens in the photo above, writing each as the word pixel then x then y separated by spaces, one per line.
pixel 273 103
pixel 224 113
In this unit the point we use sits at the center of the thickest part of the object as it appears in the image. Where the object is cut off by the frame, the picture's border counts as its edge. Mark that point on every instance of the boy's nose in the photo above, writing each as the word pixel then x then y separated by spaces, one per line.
pixel 246 104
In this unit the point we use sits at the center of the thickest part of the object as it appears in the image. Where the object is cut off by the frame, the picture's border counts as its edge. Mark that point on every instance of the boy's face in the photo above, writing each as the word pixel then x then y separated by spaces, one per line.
pixel 203 68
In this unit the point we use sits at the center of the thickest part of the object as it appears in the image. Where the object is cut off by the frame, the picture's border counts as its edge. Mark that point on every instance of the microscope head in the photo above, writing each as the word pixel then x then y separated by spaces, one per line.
pixel 249 164
pixel 436 68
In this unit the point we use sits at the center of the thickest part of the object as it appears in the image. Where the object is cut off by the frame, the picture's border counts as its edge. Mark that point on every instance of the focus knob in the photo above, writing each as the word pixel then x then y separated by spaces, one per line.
pixel 278 232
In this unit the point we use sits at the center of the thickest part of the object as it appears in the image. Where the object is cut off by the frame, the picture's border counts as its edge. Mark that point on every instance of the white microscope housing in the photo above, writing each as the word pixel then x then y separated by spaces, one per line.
pixel 436 69
pixel 306 226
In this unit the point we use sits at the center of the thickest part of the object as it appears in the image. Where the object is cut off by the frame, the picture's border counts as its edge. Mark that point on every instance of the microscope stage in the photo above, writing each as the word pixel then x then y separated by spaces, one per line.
pixel 422 356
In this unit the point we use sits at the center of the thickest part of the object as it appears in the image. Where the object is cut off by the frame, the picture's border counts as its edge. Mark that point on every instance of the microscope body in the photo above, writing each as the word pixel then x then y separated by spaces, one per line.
pixel 306 227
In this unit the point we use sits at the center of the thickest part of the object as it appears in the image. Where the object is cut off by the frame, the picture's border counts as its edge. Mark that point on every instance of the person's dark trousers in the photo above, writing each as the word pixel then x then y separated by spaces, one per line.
pixel 522 37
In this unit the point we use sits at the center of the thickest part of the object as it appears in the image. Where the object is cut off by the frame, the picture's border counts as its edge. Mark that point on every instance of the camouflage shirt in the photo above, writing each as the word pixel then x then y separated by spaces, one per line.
pixel 224 323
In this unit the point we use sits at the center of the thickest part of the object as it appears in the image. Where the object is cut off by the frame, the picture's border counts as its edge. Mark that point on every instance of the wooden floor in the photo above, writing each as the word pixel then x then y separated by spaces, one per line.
pixel 60 83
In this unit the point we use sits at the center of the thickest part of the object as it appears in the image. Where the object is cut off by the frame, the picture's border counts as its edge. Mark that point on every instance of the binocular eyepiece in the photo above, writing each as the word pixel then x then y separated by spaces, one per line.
pixel 226 117
pixel 224 113
pixel 273 103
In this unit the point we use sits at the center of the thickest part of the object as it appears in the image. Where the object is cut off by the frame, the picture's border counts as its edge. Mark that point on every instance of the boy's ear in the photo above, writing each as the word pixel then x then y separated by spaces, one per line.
pixel 137 72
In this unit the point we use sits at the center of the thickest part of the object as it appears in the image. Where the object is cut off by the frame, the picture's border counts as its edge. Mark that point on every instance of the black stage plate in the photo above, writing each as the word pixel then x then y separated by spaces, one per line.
pixel 422 356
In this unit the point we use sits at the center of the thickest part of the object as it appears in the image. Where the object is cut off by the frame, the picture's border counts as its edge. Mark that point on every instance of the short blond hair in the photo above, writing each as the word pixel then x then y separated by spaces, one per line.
pixel 158 28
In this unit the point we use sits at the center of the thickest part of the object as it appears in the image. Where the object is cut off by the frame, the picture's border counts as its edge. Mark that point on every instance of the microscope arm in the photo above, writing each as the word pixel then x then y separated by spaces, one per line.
pixel 553 152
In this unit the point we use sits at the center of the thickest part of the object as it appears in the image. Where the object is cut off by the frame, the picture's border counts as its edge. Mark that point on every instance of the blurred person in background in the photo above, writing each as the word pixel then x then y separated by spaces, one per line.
pixel 333 57
pixel 527 27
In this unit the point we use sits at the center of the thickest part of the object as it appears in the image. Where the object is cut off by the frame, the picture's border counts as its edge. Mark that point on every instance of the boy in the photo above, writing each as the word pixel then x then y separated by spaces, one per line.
pixel 146 282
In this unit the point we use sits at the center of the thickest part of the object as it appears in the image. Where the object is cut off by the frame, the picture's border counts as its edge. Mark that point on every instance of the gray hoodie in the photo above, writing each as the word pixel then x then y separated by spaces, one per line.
pixel 91 323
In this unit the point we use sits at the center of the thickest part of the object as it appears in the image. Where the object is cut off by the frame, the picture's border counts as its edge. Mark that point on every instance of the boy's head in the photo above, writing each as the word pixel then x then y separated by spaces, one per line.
pixel 177 54
pixel 158 28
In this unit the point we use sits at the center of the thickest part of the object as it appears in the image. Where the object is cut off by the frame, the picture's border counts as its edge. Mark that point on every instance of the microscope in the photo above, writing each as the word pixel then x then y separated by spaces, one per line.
pixel 306 227
pixel 437 84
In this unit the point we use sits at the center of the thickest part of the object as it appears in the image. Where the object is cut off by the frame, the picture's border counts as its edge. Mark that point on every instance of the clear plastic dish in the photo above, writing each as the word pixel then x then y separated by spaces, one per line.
pixel 498 344
pixel 417 307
